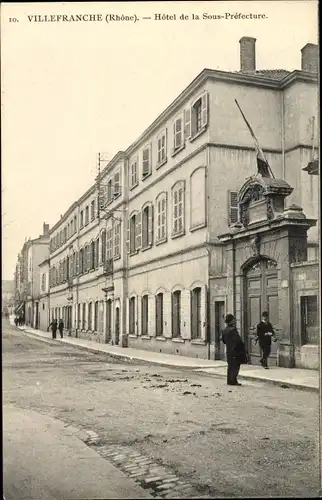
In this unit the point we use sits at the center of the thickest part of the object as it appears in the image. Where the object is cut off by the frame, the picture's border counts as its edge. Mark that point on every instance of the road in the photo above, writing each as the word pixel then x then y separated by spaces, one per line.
pixel 187 432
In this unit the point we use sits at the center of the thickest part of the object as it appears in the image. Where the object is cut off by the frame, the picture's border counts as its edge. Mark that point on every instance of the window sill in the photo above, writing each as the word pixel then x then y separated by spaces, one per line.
pixel 148 247
pixel 159 242
pixel 197 226
pixel 176 151
pixel 178 339
pixel 132 336
pixel 163 162
pixel 116 257
pixel 145 337
pixel 116 196
pixel 201 131
pixel 146 176
pixel 198 342
pixel 134 186
pixel 177 235
pixel 133 252
pixel 161 339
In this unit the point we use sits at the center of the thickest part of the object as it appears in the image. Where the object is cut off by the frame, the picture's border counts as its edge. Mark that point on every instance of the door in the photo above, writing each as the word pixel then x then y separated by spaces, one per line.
pixel 117 326
pixel 108 320
pixel 220 352
pixel 260 294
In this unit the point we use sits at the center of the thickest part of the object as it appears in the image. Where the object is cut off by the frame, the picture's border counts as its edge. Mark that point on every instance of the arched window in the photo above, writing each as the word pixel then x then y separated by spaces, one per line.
pixel 176 313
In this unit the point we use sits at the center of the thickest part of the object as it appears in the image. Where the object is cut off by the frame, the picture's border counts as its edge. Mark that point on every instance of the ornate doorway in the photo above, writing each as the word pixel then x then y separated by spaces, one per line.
pixel 260 294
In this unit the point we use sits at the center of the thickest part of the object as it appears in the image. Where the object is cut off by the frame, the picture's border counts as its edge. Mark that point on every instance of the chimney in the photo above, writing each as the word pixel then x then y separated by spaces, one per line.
pixel 310 58
pixel 247 54
pixel 45 229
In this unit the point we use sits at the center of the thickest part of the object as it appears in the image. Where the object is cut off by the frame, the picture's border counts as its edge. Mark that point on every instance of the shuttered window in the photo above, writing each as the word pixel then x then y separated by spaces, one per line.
pixel 159 314
pixel 146 161
pixel 117 187
pixel 176 313
pixel 109 244
pixel 144 314
pixel 161 217
pixel 117 240
pixel 133 173
pixel 178 209
pixel 232 207
pixel 177 134
pixel 147 226
pixel 132 316
pixel 196 313
pixel 90 312
pixel 103 246
pixel 162 147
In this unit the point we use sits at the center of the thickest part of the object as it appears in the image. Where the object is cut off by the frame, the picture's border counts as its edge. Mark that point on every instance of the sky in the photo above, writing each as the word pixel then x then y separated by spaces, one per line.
pixel 73 89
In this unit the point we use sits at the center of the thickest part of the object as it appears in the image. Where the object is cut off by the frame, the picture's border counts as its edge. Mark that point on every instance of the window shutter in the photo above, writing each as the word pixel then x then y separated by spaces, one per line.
pixel 128 236
pixel 232 207
pixel 204 109
pixel 70 267
pixel 150 226
pixel 177 133
pixel 146 161
pixel 187 123
pixel 116 183
pixel 138 232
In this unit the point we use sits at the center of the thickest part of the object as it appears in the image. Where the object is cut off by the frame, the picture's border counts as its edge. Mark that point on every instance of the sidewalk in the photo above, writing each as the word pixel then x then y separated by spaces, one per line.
pixel 45 458
pixel 296 378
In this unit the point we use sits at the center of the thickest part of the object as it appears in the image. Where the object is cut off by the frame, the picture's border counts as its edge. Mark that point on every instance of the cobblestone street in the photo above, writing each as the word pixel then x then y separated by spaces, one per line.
pixel 177 433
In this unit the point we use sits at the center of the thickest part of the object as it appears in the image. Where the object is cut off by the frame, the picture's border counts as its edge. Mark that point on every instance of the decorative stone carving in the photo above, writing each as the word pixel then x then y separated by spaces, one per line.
pixel 255 245
pixel 270 212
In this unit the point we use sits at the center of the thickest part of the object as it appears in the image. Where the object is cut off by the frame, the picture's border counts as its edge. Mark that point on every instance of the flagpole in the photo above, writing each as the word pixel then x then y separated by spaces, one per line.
pixel 254 137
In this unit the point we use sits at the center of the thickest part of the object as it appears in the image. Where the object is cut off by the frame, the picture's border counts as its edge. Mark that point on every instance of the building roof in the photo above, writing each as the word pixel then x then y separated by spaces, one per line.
pixel 274 74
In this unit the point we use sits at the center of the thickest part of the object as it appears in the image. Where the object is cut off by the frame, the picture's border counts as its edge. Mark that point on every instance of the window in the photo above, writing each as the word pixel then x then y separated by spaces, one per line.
pixel 176 313
pixel 75 224
pixel 109 191
pixel 199 114
pixel 93 210
pixel 159 314
pixel 178 207
pixel 196 313
pixel 96 317
pixel 177 134
pixel 103 246
pixel 162 148
pixel 109 244
pixel 232 207
pixel 89 322
pixel 88 257
pixel 84 317
pixel 81 223
pixel 67 268
pixel 81 261
pixel 97 252
pixel 309 320
pixel 134 173
pixel 134 233
pixel 146 161
pixel 132 316
pixel 79 316
pixel 86 215
pixel 117 187
pixel 43 282
pixel 147 226
pixel 144 314
pixel 92 255
pixel 161 204
pixel 117 239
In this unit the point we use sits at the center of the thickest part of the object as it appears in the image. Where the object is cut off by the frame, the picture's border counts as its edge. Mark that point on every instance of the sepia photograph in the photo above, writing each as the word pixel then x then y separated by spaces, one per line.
pixel 160 250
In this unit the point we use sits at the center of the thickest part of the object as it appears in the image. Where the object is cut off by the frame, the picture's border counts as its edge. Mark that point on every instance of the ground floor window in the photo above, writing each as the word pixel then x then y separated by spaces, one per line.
pixel 84 317
pixel 159 314
pixel 79 316
pixel 132 316
pixel 89 322
pixel 309 320
pixel 96 316
pixel 176 313
pixel 144 314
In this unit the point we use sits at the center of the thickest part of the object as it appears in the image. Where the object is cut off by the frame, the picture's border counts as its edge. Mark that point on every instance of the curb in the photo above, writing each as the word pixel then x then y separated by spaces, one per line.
pixel 124 357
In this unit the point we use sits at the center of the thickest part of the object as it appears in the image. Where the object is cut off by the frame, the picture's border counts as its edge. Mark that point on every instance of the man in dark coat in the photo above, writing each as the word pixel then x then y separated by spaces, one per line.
pixel 265 333
pixel 53 326
pixel 61 327
pixel 235 349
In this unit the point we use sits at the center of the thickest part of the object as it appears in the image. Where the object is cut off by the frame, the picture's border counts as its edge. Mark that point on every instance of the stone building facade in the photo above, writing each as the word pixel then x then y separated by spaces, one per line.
pixel 181 214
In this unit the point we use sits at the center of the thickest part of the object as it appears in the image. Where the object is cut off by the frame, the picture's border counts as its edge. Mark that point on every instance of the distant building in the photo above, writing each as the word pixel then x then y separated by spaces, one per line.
pixel 187 231
pixel 8 287
pixel 43 308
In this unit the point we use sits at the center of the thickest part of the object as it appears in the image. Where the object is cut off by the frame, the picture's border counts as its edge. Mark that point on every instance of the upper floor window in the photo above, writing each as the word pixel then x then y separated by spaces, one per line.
pixel 117 187
pixel 81 222
pixel 146 161
pixel 199 114
pixel 178 209
pixel 103 246
pixel 86 215
pixel 177 134
pixel 75 223
pixel 93 210
pixel 117 239
pixel 81 261
pixel 161 217
pixel 134 233
pixel 133 174
pixel 162 147
pixel 65 234
pixel 109 191
pixel 92 255
pixel 147 226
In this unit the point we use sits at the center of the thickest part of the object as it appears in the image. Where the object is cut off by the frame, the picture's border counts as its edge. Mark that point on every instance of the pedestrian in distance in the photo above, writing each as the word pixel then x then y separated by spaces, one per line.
pixel 235 350
pixel 53 326
pixel 265 333
pixel 16 320
pixel 61 328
